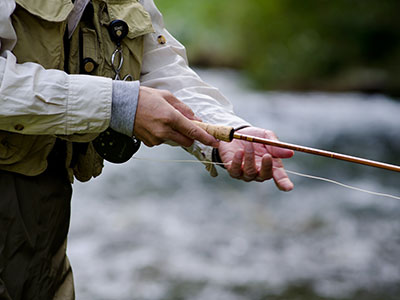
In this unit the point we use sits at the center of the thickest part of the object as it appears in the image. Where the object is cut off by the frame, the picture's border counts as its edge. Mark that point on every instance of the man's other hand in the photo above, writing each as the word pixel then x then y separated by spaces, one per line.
pixel 256 162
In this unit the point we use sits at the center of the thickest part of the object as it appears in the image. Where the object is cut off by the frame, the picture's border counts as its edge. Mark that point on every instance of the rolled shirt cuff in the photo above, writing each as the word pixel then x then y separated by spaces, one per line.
pixel 125 96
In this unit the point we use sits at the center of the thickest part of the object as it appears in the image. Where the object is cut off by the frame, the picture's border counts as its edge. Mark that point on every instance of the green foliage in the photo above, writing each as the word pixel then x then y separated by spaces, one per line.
pixel 311 44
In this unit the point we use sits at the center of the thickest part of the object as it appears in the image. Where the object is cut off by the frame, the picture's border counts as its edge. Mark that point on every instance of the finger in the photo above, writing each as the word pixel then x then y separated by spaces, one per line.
pixel 180 106
pixel 149 140
pixel 190 130
pixel 235 169
pixel 265 172
pixel 180 139
pixel 281 179
pixel 196 118
pixel 249 166
pixel 276 151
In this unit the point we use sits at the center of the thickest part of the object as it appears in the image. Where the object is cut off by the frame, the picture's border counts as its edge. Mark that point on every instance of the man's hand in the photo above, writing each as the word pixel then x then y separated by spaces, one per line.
pixel 251 161
pixel 161 117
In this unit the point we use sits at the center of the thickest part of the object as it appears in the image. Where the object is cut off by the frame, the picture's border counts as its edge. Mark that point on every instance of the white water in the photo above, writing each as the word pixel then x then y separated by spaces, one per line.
pixel 146 230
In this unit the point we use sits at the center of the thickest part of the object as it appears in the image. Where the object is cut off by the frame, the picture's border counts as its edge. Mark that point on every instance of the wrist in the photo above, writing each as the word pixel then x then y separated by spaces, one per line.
pixel 124 105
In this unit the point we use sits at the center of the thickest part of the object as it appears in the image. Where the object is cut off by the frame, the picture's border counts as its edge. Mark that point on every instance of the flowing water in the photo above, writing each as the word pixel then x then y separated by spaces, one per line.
pixel 150 230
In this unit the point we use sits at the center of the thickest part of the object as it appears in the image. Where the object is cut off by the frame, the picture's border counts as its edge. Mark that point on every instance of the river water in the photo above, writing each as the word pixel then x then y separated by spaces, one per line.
pixel 150 231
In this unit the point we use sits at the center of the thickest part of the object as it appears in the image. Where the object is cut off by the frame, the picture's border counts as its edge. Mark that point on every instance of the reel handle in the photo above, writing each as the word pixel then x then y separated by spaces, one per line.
pixel 220 132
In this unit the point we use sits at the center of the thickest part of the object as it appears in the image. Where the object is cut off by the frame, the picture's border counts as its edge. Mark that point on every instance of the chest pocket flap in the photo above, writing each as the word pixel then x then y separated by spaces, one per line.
pixel 53 11
pixel 133 13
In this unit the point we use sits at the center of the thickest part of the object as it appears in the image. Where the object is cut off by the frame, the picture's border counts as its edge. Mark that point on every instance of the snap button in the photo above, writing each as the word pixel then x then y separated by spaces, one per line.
pixel 19 127
pixel 161 39
pixel 88 65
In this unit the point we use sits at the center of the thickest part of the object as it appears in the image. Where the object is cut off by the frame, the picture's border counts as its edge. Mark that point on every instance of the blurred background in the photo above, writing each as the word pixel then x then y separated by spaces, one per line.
pixel 319 73
pixel 288 44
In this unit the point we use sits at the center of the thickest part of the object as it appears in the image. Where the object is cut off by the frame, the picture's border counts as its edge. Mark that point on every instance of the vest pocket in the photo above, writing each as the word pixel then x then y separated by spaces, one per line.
pixel 133 13
pixel 139 23
pixel 14 147
pixel 40 27
pixel 53 11
pixel 90 49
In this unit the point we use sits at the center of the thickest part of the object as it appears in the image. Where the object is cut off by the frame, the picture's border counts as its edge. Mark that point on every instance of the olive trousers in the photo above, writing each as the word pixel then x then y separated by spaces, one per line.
pixel 34 223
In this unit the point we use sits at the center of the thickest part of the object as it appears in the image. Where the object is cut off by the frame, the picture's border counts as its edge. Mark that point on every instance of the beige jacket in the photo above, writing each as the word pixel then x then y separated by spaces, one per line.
pixel 38 101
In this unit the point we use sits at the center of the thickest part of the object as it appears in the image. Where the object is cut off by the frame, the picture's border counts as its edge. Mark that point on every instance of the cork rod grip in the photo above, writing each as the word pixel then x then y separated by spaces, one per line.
pixel 220 132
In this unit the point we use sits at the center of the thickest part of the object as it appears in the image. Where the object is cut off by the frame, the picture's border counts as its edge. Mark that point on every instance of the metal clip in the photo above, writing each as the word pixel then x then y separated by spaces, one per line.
pixel 117 67
pixel 111 145
pixel 118 30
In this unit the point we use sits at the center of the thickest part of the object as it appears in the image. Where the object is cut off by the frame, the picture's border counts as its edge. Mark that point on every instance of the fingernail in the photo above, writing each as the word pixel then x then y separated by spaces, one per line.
pixel 289 187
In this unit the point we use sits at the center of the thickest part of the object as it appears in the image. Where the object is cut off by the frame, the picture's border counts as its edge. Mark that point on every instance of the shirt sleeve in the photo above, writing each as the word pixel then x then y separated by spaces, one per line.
pixel 124 105
pixel 7 34
pixel 36 101
pixel 165 66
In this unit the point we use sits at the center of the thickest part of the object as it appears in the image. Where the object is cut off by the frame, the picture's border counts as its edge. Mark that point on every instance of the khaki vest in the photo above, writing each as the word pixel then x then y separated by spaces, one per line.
pixel 40 26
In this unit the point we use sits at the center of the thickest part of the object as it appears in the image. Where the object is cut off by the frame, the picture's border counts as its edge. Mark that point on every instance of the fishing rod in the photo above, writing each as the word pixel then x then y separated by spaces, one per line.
pixel 227 134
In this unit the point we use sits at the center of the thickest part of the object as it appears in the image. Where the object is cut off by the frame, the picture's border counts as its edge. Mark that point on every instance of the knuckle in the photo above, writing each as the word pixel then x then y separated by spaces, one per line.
pixel 193 132
pixel 187 143
pixel 158 135
pixel 168 117
pixel 234 175
pixel 235 172
pixel 148 143
pixel 268 131
pixel 250 176
pixel 174 116
pixel 250 170
pixel 166 93
pixel 156 141
pixel 164 120
pixel 262 179
pixel 270 134
pixel 252 173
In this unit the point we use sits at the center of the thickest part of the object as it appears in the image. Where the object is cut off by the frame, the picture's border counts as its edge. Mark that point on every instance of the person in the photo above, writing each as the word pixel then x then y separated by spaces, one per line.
pixel 59 68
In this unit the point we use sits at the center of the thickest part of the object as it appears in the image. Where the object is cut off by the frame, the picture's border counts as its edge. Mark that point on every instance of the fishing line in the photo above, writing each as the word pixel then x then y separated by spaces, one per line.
pixel 343 185
pixel 288 171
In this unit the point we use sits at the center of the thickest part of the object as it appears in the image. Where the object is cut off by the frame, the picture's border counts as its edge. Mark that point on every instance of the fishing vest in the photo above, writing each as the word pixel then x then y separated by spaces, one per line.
pixel 40 26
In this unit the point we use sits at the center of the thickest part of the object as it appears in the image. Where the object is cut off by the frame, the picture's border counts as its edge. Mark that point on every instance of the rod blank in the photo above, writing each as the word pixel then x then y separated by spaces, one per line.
pixel 319 152
pixel 227 134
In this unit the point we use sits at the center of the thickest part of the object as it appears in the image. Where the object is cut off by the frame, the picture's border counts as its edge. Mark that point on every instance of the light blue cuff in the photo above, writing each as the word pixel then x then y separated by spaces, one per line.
pixel 125 96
